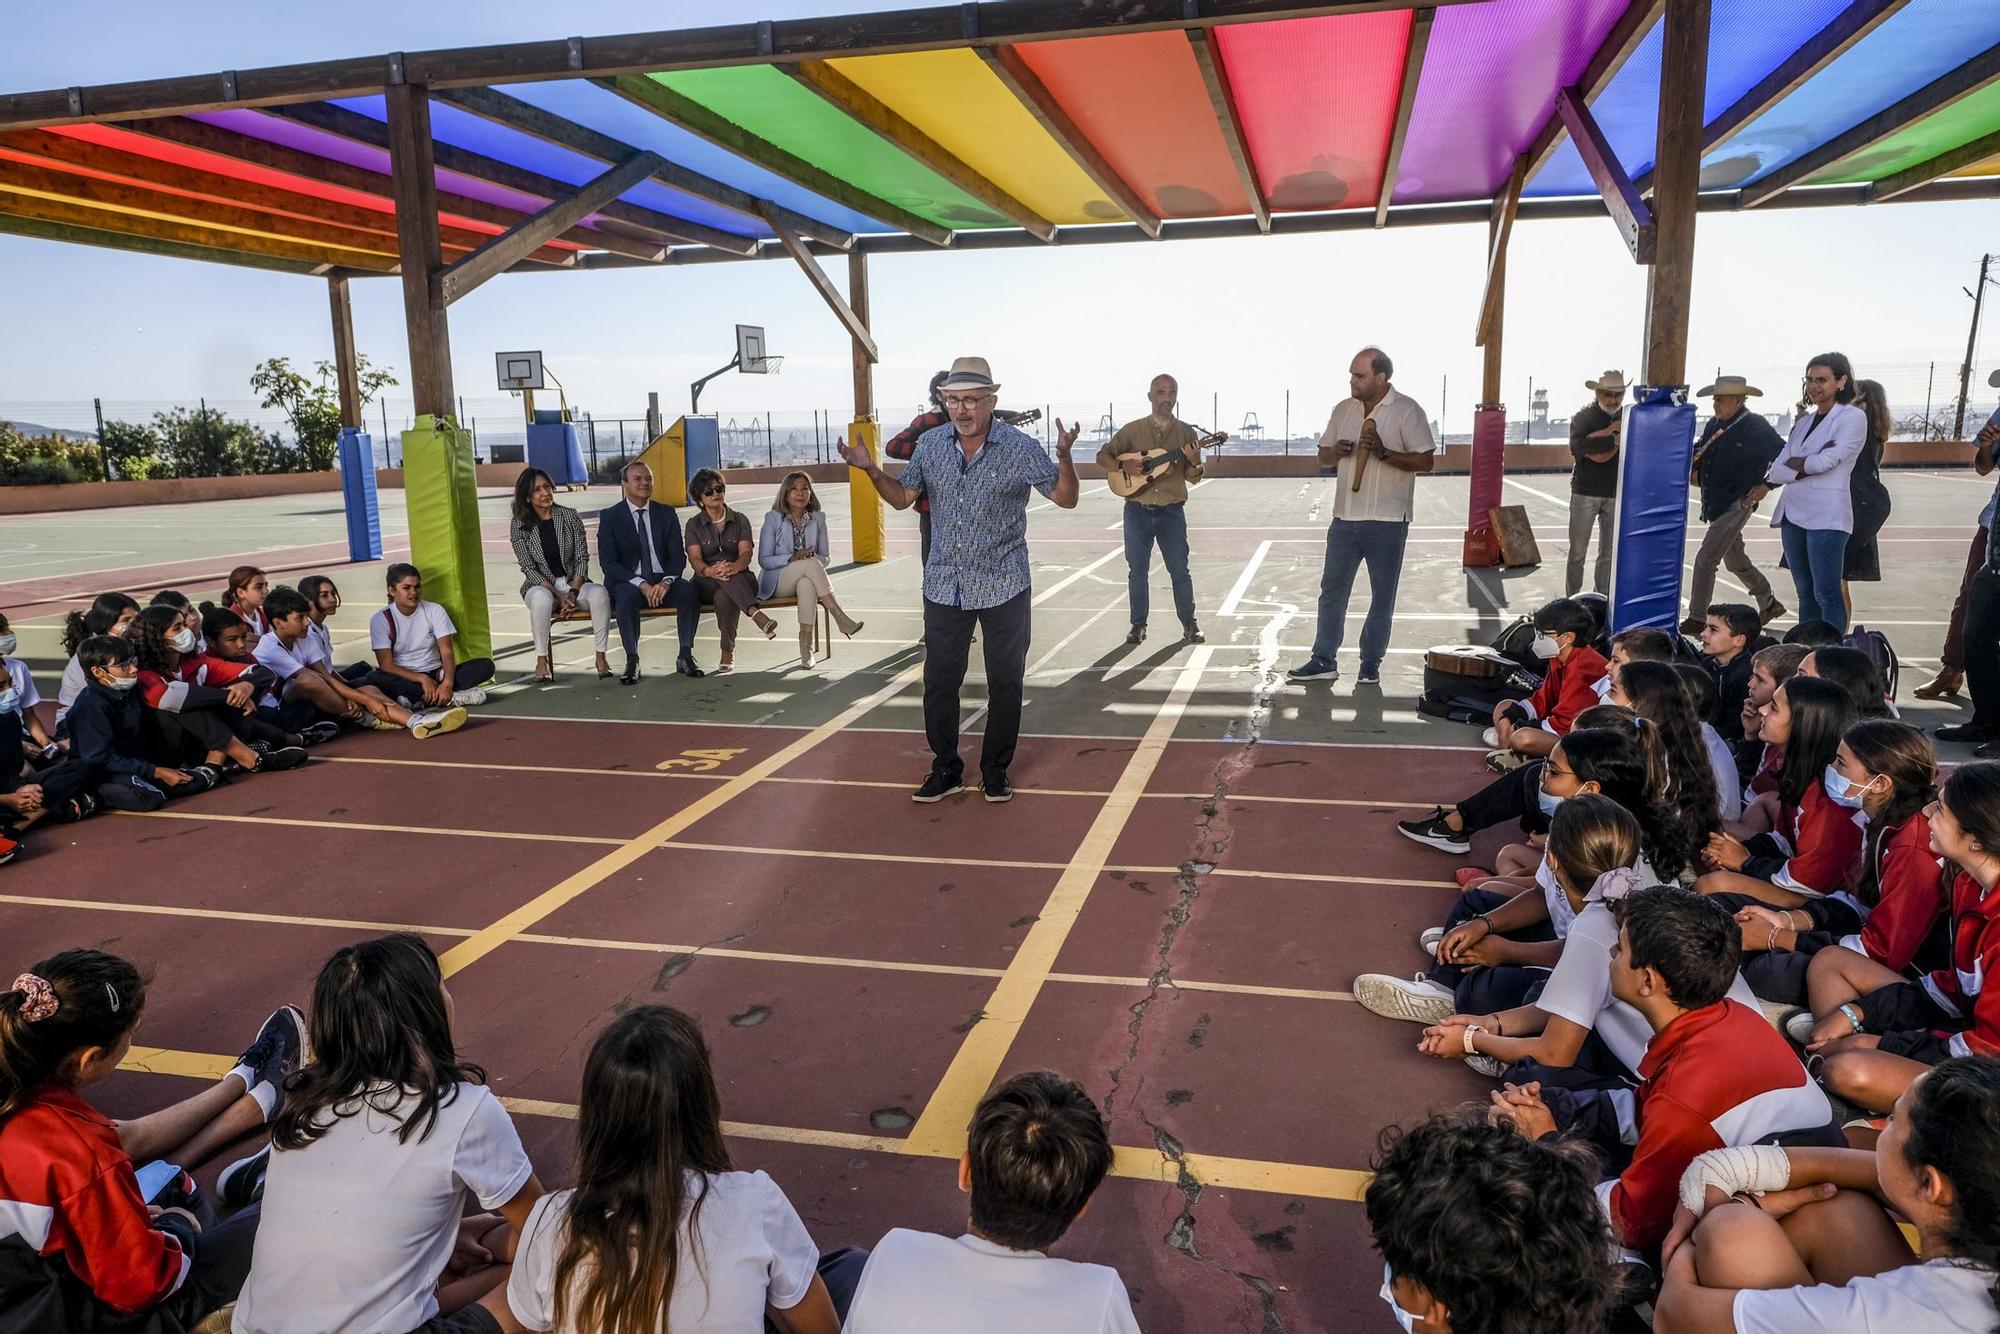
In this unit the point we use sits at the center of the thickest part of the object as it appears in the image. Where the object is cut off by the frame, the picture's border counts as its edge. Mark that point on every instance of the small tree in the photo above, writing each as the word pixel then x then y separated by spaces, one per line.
pixel 204 443
pixel 314 409
pixel 133 450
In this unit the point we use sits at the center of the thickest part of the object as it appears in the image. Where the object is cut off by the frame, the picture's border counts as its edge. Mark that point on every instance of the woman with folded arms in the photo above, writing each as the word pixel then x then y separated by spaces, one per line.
pixel 719 549
pixel 792 552
pixel 554 557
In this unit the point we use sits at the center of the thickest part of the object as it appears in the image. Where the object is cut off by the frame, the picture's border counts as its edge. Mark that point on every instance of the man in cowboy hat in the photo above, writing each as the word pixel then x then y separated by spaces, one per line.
pixel 1731 456
pixel 977 473
pixel 1593 482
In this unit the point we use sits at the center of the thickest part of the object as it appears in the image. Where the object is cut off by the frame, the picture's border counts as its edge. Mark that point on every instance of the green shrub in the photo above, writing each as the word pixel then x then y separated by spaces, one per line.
pixel 43 460
pixel 203 443
pixel 133 450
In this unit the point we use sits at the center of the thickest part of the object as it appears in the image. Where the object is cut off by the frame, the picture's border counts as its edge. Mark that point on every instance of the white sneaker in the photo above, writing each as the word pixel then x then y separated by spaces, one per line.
pixel 465 699
pixel 1419 1000
pixel 1798 1026
pixel 1482 1064
pixel 1428 941
pixel 436 722
pixel 1491 736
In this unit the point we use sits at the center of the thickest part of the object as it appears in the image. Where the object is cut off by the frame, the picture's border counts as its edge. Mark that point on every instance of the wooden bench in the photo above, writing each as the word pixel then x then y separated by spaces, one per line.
pixel 825 648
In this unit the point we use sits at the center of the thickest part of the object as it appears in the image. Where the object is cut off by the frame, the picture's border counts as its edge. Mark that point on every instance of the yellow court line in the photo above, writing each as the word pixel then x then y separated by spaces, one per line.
pixel 534 910
pixel 1326 1183
pixel 940 1128
pixel 373 828
pixel 228 915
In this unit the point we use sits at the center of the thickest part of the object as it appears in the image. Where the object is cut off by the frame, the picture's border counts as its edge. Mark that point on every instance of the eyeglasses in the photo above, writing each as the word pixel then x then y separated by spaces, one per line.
pixel 716 490
pixel 964 400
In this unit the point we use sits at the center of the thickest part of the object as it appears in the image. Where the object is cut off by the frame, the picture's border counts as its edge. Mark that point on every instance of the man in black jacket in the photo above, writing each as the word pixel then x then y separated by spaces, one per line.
pixel 1594 434
pixel 1732 454
pixel 645 565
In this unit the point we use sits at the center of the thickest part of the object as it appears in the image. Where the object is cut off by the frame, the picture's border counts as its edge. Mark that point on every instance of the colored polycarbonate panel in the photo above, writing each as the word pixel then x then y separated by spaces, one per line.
pixel 1918 44
pixel 1990 167
pixel 1317 98
pixel 1488 86
pixel 984 126
pixel 1747 39
pixel 1139 98
pixel 772 106
pixel 461 129
pixel 607 113
pixel 1956 125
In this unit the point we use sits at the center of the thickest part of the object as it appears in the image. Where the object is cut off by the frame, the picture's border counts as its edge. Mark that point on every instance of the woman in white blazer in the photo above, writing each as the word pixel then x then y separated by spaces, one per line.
pixel 792 552
pixel 1815 510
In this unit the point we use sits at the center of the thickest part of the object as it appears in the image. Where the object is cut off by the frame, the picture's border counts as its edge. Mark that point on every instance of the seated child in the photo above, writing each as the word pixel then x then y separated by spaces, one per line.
pixel 107 614
pixel 413 643
pixel 322 603
pixel 1530 727
pixel 108 740
pixel 310 687
pixel 1037 1151
pixel 201 709
pixel 1729 635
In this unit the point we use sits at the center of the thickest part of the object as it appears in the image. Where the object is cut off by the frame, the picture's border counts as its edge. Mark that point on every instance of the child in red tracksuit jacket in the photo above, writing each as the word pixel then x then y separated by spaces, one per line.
pixel 1715 1074
pixel 1562 639
pixel 203 708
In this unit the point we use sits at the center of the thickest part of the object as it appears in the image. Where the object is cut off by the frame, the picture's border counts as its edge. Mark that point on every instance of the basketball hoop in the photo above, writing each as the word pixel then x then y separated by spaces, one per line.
pixel 764 366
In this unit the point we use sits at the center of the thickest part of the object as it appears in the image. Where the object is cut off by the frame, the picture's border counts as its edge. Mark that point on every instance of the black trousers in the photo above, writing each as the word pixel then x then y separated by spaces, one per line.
pixel 947 644
pixel 1491 990
pixel 628 603
pixel 1511 796
pixel 1982 649
pixel 464 676
pixel 923 537
pixel 188 737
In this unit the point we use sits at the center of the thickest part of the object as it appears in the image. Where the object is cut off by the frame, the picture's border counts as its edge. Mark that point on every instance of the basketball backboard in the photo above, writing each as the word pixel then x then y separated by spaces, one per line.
pixel 750 358
pixel 519 370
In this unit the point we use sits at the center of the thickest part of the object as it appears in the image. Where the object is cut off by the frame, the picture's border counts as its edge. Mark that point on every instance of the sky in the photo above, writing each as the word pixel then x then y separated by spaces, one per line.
pixel 1241 322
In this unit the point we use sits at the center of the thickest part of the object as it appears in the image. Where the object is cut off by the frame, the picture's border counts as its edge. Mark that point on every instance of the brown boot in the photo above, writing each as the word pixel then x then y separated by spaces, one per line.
pixel 848 625
pixel 1946 682
pixel 807 638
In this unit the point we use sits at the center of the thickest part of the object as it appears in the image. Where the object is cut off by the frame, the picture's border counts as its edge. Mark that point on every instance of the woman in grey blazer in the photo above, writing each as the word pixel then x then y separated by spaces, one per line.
pixel 554 557
pixel 792 552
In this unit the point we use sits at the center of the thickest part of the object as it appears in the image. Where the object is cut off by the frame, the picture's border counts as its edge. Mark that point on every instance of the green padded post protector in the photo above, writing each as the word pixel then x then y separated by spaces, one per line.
pixel 441 492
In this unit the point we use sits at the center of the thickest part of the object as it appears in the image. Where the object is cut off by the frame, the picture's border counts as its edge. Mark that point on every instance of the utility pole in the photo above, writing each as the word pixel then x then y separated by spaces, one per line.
pixel 1971 344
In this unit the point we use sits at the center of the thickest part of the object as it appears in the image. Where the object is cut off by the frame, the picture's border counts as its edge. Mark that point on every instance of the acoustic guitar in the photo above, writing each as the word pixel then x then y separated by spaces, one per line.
pixel 1153 464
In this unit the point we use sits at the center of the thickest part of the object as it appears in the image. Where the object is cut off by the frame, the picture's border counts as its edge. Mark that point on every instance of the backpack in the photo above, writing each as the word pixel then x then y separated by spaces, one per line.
pixel 1880 652
pixel 1517 643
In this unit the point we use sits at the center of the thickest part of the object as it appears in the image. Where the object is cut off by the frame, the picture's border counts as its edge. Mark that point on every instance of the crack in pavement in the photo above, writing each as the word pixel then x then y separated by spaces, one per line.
pixel 1181 1233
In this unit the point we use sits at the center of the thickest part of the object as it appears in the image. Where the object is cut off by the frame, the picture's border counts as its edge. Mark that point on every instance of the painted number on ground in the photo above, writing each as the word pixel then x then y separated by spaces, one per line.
pixel 700 761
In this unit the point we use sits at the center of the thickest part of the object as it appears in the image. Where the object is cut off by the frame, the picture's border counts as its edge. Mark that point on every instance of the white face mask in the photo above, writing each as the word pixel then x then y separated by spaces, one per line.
pixel 183 640
pixel 9 642
pixel 10 699
pixel 1403 1318
pixel 1546 645
pixel 1837 787
pixel 121 684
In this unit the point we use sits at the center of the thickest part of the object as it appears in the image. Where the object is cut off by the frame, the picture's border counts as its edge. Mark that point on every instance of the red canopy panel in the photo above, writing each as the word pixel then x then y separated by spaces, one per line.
pixel 1318 103
pixel 1139 98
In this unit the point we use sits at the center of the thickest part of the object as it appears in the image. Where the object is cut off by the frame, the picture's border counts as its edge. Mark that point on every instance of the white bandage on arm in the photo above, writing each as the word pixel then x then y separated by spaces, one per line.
pixel 1752 1168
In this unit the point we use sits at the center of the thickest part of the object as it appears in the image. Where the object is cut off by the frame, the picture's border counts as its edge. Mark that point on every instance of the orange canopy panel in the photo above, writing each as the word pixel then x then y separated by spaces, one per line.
pixel 1318 103
pixel 1140 100
pixel 952 97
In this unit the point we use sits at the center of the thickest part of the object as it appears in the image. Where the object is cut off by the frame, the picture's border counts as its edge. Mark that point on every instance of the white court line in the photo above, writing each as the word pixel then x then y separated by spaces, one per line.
pixel 1557 501
pixel 1075 575
pixel 1039 506
pixel 1242 585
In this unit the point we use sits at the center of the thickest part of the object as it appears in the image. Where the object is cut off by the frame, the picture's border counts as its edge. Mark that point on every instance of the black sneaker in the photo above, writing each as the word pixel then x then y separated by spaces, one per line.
pixel 937 787
pixel 319 734
pixel 242 1182
pixel 283 758
pixel 996 788
pixel 201 778
pixel 1137 635
pixel 279 1050
pixel 1432 831
pixel 1191 634
pixel 1966 732
pixel 1371 675
pixel 1314 669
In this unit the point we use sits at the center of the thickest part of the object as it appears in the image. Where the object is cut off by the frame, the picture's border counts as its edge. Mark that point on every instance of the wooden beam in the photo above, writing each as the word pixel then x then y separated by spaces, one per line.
pixel 1504 211
pixel 1930 169
pixel 1676 197
pixel 864 354
pixel 1406 104
pixel 1492 337
pixel 1222 102
pixel 523 239
pixel 529 119
pixel 1603 66
pixel 699 121
pixel 414 178
pixel 855 322
pixel 319 257
pixel 1021 80
pixel 367 130
pixel 346 368
pixel 1944 91
pixel 326 171
pixel 71 234
pixel 864 109
pixel 1621 199
pixel 781 42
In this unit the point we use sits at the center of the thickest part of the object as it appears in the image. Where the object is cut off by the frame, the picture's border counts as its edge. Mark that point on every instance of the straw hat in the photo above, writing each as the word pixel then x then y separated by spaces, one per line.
pixel 1611 382
pixel 969 373
pixel 1731 385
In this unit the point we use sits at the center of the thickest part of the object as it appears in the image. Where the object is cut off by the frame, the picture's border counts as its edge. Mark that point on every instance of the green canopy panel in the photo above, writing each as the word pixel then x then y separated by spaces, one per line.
pixel 1960 123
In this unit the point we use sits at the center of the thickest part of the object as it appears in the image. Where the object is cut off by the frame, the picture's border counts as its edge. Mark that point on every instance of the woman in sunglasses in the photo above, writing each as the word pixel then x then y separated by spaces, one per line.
pixel 721 549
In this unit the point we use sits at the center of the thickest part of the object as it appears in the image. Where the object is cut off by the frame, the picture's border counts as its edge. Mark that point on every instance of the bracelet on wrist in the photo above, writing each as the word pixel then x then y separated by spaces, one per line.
pixel 1470 1029
pixel 1853 1013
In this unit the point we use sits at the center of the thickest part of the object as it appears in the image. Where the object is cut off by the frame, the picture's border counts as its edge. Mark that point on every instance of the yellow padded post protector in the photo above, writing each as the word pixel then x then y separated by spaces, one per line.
pixel 870 533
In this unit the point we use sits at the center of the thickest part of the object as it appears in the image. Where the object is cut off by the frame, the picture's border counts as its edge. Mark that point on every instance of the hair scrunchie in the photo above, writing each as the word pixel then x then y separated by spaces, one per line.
pixel 1616 883
pixel 38 997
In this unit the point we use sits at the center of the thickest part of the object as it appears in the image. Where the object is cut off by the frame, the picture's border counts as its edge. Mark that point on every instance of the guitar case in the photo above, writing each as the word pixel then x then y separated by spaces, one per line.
pixel 1462 682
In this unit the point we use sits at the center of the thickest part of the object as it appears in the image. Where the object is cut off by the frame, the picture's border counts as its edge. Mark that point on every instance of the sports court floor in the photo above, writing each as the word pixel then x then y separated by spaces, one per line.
pixel 1199 861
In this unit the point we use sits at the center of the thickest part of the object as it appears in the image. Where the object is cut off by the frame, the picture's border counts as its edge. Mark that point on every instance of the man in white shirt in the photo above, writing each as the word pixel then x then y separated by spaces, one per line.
pixel 1037 1151
pixel 1380 441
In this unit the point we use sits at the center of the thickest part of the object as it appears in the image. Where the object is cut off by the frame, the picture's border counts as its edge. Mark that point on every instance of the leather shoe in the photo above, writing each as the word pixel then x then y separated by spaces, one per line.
pixel 685 664
pixel 631 674
pixel 1137 636
pixel 1966 732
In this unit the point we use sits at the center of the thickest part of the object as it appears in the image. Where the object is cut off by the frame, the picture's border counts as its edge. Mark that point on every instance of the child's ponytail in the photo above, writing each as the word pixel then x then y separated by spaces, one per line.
pixel 63 1005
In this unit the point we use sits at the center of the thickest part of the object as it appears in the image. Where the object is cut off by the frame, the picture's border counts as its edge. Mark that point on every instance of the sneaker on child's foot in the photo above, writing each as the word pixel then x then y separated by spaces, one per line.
pixel 1434 832
pixel 465 699
pixel 281 759
pixel 1490 738
pixel 1798 1026
pixel 1505 761
pixel 1482 1064
pixel 1419 1000
pixel 1428 941
pixel 320 733
pixel 436 722
pixel 242 1182
pixel 279 1050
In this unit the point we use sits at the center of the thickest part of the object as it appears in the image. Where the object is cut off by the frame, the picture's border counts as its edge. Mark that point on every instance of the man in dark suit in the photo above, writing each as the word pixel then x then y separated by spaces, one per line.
pixel 639 545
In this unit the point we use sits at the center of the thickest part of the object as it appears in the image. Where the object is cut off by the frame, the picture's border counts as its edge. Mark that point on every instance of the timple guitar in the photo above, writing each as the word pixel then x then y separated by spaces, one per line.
pixel 1151 464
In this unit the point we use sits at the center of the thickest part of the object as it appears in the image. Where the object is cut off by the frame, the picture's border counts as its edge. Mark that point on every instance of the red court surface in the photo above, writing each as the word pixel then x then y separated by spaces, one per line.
pixel 1175 923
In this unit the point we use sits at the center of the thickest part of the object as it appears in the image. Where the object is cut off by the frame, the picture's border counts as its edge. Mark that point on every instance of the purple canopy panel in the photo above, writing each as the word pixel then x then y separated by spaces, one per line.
pixel 1489 83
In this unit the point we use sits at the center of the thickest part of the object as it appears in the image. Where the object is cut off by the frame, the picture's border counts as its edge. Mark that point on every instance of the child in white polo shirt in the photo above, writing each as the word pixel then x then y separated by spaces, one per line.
pixel 1037 1152
pixel 414 657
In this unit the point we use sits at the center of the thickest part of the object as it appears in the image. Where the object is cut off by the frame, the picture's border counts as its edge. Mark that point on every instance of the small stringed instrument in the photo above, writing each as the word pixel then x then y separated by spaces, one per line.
pixel 1152 465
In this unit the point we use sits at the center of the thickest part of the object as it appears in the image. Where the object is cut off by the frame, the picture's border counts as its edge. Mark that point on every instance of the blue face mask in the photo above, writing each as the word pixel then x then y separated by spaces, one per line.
pixel 1403 1318
pixel 10 699
pixel 8 643
pixel 1836 787
pixel 1547 802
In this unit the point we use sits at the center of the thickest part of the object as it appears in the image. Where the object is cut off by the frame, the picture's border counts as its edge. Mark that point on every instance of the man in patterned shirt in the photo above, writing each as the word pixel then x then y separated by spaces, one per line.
pixel 976 473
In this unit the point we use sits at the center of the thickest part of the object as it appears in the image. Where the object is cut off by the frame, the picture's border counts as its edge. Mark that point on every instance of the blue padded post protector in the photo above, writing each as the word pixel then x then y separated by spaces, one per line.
pixel 704 446
pixel 1652 509
pixel 554 449
pixel 357 488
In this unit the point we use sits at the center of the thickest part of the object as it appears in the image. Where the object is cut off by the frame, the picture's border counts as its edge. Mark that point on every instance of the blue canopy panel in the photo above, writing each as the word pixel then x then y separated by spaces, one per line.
pixel 607 113
pixel 462 129
pixel 1747 40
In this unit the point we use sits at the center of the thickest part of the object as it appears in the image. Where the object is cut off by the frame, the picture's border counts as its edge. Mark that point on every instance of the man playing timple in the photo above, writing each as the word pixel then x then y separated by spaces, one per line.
pixel 1158 514
pixel 977 473
pixel 1388 437
pixel 1736 449
pixel 1593 482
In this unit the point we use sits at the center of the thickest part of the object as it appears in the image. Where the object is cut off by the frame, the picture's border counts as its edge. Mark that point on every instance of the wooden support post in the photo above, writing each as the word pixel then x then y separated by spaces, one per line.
pixel 1499 229
pixel 865 355
pixel 347 370
pixel 1676 184
pixel 1406 103
pixel 414 181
